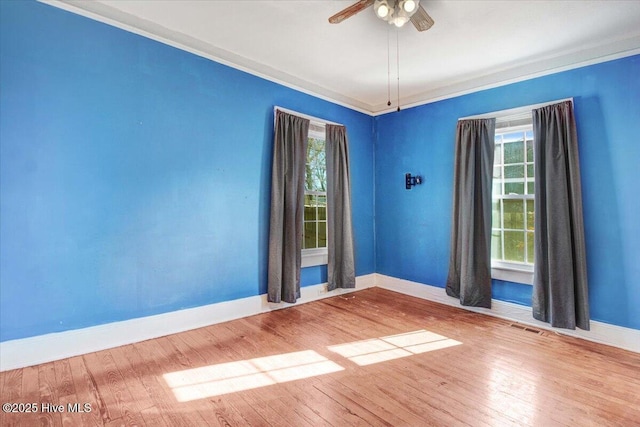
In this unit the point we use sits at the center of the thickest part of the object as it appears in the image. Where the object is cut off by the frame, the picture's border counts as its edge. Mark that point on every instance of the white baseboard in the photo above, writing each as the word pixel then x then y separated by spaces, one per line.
pixel 604 333
pixel 31 351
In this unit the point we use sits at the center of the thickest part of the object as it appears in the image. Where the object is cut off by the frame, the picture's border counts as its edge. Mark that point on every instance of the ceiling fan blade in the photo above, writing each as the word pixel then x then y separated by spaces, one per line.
pixel 350 11
pixel 421 19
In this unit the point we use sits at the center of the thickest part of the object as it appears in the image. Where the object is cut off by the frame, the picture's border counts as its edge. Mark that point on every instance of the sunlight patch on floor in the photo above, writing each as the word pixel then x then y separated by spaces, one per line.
pixel 378 350
pixel 231 377
pixel 223 378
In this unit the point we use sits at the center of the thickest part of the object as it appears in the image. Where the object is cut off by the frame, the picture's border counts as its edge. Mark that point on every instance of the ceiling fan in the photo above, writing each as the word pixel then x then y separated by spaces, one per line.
pixel 396 12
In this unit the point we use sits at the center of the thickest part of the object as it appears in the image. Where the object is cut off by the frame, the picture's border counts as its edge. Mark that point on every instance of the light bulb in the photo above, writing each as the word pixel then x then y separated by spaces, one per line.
pixel 409 6
pixel 399 21
pixel 382 11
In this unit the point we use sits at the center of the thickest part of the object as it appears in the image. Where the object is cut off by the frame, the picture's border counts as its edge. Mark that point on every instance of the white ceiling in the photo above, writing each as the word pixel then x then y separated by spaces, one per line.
pixel 473 44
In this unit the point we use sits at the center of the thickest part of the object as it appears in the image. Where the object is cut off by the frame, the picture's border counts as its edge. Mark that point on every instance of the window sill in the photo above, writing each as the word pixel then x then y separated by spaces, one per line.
pixel 516 273
pixel 313 257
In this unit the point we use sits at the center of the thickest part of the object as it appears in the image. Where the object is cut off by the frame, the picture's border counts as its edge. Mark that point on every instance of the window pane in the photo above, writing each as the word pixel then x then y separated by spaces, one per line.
pixel 513 214
pixel 322 213
pixel 309 207
pixel 514 246
pixel 316 167
pixel 514 188
pixel 530 217
pixel 322 207
pixel 530 250
pixel 310 241
pixel 322 234
pixel 315 205
pixel 496 244
pixel 513 152
pixel 530 187
pixel 530 171
pixel 516 171
pixel 513 218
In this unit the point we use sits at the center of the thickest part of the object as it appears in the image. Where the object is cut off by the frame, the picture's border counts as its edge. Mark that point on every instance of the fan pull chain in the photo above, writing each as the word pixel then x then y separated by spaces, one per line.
pixel 388 68
pixel 398 64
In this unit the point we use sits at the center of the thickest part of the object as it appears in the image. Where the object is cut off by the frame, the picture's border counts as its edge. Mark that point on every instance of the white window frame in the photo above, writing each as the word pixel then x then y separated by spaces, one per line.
pixel 513 272
pixel 316 256
pixel 313 257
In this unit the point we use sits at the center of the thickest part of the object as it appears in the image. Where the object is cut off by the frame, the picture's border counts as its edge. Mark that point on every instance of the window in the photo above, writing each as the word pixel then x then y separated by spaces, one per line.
pixel 512 223
pixel 314 230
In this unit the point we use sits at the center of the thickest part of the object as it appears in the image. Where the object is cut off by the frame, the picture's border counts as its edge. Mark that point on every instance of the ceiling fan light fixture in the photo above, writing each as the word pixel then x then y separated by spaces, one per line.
pixel 396 12
pixel 389 11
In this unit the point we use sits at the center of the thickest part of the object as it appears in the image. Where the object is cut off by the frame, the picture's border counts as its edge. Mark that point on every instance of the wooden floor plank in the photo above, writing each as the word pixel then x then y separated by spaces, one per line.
pixel 501 373
pixel 67 394
pixel 96 413
pixel 134 382
pixel 232 406
pixel 49 396
pixel 157 352
pixel 149 373
pixel 11 390
pixel 216 409
pixel 112 386
pixel 360 404
pixel 251 343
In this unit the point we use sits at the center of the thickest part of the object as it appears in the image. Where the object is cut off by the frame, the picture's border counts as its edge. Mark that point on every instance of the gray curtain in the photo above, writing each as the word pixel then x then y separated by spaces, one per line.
pixel 287 195
pixel 341 265
pixel 560 295
pixel 469 277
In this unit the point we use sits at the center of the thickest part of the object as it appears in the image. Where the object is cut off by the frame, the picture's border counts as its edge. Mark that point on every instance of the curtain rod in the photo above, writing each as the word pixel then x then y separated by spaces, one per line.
pixel 514 111
pixel 315 120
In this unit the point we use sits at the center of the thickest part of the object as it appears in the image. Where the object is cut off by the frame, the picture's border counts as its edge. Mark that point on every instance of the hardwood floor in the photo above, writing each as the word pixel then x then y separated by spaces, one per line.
pixel 373 357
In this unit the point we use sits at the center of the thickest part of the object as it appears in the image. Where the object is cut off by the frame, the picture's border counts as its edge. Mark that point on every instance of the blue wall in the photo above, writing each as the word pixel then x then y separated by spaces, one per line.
pixel 412 227
pixel 135 177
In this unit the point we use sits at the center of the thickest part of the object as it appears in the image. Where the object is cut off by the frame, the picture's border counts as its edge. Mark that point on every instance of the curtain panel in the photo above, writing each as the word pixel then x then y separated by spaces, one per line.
pixel 341 264
pixel 560 291
pixel 287 194
pixel 469 277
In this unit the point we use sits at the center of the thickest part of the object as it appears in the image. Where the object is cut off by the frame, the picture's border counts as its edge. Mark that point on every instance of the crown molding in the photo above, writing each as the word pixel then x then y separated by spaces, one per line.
pixel 530 70
pixel 547 65
pixel 151 30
